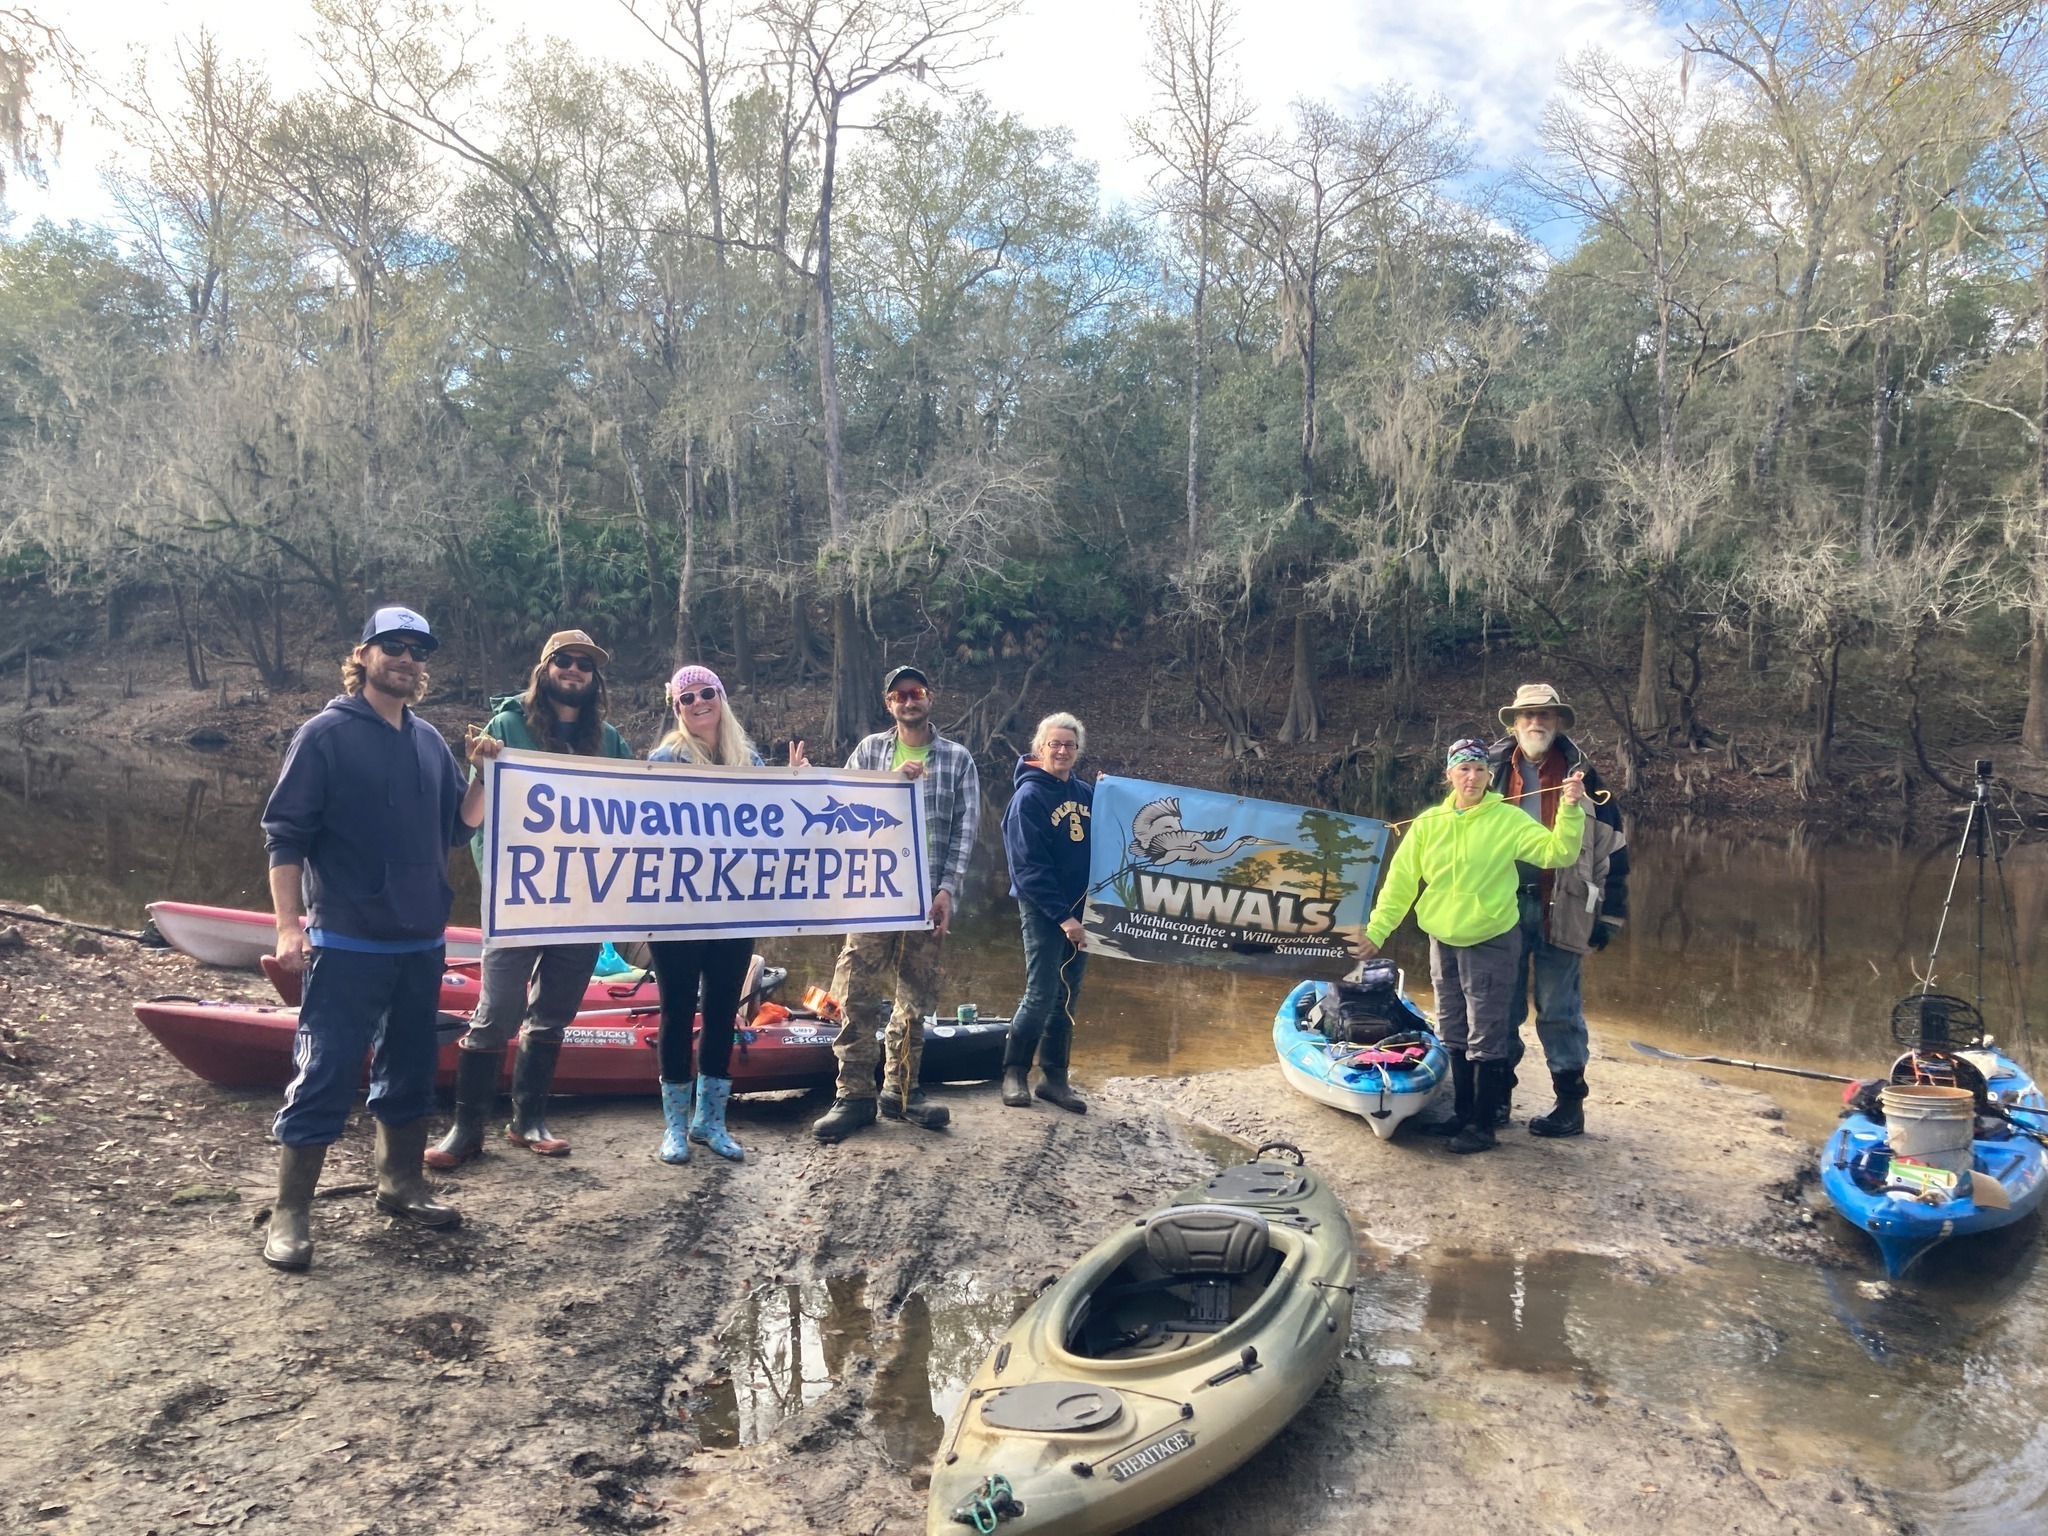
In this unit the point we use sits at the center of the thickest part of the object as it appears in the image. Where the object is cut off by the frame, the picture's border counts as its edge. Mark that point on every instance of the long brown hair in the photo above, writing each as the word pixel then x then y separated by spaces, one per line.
pixel 354 675
pixel 585 737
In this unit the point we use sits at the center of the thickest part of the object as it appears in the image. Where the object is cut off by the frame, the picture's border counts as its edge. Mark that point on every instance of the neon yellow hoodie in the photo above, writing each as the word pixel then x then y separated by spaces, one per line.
pixel 1463 862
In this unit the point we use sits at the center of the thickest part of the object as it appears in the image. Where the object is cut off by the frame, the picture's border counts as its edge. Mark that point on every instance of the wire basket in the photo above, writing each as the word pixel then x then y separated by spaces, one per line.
pixel 1936 1021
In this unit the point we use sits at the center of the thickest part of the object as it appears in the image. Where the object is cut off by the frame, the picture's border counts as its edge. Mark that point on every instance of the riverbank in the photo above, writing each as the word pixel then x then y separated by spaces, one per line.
pixel 595 1348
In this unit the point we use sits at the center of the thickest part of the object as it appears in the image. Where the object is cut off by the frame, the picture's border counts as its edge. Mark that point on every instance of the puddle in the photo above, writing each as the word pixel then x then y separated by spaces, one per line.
pixel 788 1345
pixel 1931 1388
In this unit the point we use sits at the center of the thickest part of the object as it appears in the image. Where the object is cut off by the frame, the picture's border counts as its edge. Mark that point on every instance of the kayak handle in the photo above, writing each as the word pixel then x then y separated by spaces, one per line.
pixel 1300 1159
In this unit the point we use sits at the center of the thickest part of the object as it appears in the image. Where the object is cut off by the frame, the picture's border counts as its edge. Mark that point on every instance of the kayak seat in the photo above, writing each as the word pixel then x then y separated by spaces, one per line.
pixel 1207 1248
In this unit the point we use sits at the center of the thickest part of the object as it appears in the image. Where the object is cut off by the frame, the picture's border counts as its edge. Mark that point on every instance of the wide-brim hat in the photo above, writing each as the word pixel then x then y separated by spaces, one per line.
pixel 1537 696
pixel 573 641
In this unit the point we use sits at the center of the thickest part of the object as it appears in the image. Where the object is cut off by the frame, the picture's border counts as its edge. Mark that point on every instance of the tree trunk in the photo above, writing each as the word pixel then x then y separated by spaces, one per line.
pixel 687 649
pixel 2034 733
pixel 856 681
pixel 1195 396
pixel 743 668
pixel 1649 702
pixel 1827 672
pixel 1764 460
pixel 1305 713
pixel 1880 382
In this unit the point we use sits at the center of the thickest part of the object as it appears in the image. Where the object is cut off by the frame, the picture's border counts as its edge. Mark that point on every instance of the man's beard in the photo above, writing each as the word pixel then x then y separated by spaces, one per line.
pixel 388 683
pixel 555 693
pixel 1535 740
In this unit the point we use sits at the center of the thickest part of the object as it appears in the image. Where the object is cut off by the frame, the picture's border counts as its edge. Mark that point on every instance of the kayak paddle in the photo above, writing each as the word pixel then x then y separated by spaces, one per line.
pixel 1730 1061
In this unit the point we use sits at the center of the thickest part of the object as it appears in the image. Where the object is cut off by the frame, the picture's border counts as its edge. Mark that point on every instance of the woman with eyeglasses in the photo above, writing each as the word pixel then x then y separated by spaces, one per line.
pixel 702 976
pixel 1045 839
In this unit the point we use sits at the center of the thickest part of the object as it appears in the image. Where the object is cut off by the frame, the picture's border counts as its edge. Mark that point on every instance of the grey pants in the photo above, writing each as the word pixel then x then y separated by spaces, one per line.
pixel 1475 990
pixel 538 986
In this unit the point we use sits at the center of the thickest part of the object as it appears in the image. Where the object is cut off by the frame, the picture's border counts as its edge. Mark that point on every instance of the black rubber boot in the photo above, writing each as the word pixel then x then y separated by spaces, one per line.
pixel 1053 1089
pixel 1489 1089
pixel 402 1189
pixel 933 1117
pixel 289 1242
pixel 844 1118
pixel 1461 1100
pixel 1017 1087
pixel 1567 1117
pixel 1507 1098
pixel 533 1074
pixel 476 1091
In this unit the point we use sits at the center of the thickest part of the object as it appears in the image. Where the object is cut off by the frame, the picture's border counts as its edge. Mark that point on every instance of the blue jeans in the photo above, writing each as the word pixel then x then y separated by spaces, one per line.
pixel 1560 1006
pixel 382 1006
pixel 1044 1021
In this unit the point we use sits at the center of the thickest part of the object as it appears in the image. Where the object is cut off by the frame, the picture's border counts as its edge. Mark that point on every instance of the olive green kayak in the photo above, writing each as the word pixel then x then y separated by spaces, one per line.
pixel 1167 1356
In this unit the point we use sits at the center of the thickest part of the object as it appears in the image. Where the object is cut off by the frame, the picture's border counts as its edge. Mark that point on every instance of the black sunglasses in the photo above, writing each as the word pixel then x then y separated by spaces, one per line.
pixel 396 648
pixel 569 661
pixel 685 700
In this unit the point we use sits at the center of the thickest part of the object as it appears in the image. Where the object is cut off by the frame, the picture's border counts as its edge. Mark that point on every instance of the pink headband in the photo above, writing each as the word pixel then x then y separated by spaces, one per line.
pixel 692 677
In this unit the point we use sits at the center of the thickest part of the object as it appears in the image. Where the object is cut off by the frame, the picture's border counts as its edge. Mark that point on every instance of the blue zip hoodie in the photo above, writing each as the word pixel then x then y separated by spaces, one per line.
pixel 371 813
pixel 1045 839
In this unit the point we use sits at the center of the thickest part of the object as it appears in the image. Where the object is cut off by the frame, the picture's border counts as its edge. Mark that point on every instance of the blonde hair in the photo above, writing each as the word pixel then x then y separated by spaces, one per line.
pixel 733 749
pixel 354 675
pixel 1060 721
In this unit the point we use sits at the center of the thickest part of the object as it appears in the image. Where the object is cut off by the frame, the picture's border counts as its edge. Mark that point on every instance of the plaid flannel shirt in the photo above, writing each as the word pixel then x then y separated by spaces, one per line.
pixel 952 802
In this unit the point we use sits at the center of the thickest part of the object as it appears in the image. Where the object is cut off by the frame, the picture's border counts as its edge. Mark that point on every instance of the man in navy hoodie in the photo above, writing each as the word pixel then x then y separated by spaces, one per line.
pixel 367 805
pixel 1045 839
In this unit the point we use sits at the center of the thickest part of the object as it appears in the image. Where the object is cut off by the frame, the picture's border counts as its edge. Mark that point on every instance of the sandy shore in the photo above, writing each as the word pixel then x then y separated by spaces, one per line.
pixel 556 1365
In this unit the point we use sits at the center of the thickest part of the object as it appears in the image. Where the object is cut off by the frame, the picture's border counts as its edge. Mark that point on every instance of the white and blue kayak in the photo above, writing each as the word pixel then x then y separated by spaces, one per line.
pixel 1908 1208
pixel 1383 1074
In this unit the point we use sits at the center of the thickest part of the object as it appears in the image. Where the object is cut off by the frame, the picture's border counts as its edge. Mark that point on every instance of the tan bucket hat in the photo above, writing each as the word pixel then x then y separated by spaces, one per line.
pixel 575 640
pixel 1537 696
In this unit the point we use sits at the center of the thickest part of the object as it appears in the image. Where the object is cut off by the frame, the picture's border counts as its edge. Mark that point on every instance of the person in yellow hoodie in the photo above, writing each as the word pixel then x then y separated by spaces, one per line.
pixel 1456 868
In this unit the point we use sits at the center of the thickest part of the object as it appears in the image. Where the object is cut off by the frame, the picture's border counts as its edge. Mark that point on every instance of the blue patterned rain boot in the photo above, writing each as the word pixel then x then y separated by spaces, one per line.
pixel 707 1126
pixel 675 1112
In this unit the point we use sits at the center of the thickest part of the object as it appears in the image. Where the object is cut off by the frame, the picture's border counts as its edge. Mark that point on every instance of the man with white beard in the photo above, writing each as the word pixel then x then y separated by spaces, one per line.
pixel 1565 912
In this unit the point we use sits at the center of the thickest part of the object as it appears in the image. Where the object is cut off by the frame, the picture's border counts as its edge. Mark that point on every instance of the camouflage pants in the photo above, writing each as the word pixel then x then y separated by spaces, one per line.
pixel 867 964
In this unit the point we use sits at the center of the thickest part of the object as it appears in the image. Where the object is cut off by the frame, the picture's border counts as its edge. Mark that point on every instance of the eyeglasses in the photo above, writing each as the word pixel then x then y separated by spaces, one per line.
pixel 910 693
pixel 685 700
pixel 1062 746
pixel 397 648
pixel 569 661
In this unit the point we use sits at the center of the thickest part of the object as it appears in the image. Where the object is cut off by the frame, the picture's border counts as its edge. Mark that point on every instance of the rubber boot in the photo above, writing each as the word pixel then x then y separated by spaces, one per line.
pixel 1017 1087
pixel 1052 1088
pixel 1461 1100
pixel 844 1118
pixel 476 1090
pixel 533 1074
pixel 1490 1087
pixel 933 1117
pixel 707 1124
pixel 1567 1117
pixel 289 1243
pixel 401 1182
pixel 675 1113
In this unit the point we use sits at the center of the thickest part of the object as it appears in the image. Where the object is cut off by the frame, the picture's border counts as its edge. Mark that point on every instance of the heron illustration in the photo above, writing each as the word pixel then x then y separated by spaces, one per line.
pixel 1157 837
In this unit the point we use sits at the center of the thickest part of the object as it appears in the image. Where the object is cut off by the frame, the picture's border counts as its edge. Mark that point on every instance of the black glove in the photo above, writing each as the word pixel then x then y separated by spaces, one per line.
pixel 1601 933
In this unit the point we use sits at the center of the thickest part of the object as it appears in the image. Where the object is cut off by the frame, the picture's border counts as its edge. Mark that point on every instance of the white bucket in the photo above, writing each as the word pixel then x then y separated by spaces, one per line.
pixel 1930 1124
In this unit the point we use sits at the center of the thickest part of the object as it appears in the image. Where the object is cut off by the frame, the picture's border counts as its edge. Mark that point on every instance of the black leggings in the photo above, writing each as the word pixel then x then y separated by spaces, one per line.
pixel 720 965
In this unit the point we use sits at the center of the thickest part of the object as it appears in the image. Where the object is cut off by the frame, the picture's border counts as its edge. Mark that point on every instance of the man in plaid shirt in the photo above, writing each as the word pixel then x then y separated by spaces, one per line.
pixel 952 816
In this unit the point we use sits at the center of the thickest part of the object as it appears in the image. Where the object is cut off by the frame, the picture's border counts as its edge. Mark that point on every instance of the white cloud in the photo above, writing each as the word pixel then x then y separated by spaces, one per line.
pixel 1078 63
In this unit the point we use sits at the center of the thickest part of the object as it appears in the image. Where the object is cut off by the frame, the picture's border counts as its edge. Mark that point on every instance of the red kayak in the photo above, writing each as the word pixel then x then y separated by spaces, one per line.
pixel 461 986
pixel 240 1045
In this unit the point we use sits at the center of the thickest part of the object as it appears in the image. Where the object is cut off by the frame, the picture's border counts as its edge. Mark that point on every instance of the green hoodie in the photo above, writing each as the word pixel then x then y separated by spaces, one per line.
pixel 1463 862
pixel 508 724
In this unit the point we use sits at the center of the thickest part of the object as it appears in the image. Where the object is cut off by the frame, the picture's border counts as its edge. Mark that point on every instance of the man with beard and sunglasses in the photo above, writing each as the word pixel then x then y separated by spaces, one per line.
pixel 367 805
pixel 1564 912
pixel 533 990
pixel 951 793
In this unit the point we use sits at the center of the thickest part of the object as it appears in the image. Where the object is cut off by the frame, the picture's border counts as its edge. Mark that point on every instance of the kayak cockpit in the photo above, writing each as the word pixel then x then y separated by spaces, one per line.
pixel 1188 1274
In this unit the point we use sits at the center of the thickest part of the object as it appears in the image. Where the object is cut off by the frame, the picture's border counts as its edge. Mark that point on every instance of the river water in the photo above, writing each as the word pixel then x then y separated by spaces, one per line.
pixel 1786 947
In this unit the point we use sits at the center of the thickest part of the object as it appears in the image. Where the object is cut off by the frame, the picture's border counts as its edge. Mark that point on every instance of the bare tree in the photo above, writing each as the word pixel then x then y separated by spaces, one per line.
pixel 30 45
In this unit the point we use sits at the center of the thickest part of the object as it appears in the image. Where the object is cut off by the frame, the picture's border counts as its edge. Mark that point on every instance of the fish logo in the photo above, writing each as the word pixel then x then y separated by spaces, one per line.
pixel 1157 837
pixel 837 816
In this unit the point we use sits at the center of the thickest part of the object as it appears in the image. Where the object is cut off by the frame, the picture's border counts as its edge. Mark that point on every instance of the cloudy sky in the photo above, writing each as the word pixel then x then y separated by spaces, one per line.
pixel 1078 63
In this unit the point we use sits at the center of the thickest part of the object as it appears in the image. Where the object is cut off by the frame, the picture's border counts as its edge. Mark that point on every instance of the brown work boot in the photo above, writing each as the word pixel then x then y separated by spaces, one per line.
pixel 844 1118
pixel 920 1111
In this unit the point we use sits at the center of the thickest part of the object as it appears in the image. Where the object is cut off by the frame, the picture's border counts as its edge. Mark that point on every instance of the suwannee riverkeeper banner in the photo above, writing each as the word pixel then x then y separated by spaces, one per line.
pixel 579 849
pixel 1216 879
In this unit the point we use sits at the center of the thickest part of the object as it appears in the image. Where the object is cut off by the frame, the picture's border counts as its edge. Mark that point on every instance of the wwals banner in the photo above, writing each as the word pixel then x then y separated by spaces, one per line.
pixel 579 849
pixel 1190 874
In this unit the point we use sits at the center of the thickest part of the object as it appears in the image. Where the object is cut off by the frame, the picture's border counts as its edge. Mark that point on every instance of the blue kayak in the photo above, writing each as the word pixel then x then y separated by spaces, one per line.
pixel 1903 1216
pixel 1346 1076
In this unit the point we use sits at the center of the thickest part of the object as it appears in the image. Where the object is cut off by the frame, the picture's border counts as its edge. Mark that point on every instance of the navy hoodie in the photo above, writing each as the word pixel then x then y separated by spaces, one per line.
pixel 371 813
pixel 1045 838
